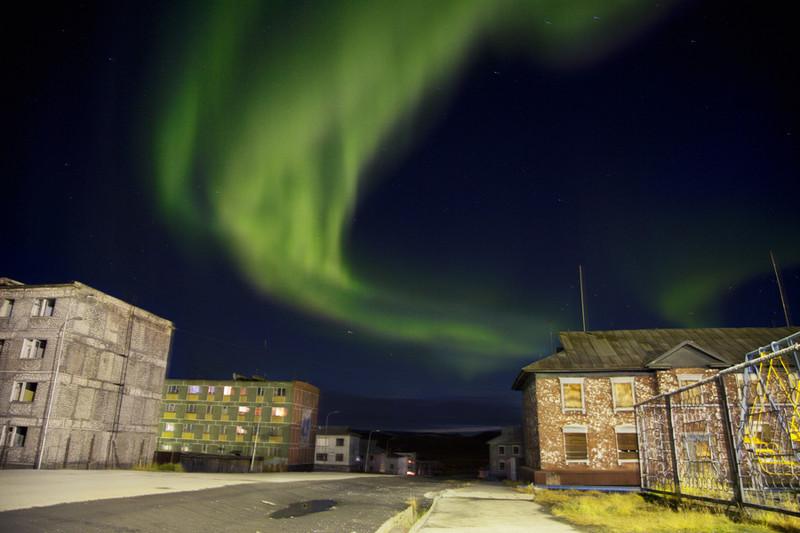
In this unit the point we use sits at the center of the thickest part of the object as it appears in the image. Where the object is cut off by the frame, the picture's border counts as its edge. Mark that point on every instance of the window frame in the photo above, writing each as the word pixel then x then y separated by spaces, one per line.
pixel 19 388
pixel 6 307
pixel 626 429
pixel 321 457
pixel 572 429
pixel 43 307
pixel 339 458
pixel 339 443
pixel 631 380
pixel 501 449
pixel 515 449
pixel 31 345
pixel 11 436
pixel 685 380
pixel 572 381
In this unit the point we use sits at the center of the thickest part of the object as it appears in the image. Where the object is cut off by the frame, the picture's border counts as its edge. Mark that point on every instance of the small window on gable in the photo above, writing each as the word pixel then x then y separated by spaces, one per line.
pixel 576 447
pixel 572 394
pixel 6 306
pixel 693 396
pixel 622 391
pixel 627 444
pixel 43 307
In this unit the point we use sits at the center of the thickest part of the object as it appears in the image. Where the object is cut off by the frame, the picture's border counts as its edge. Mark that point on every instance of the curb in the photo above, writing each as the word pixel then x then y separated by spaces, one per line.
pixel 405 516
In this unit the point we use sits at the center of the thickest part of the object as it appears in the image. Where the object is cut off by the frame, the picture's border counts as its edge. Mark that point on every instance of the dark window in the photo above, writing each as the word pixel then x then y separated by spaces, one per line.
pixel 16 436
pixel 501 450
pixel 515 450
pixel 322 457
pixel 340 442
pixel 628 446
pixel 23 392
pixel 43 307
pixel 575 446
pixel 339 457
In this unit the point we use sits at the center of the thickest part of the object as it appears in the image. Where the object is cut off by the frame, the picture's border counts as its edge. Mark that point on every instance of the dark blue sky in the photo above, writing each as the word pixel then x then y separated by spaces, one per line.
pixel 655 168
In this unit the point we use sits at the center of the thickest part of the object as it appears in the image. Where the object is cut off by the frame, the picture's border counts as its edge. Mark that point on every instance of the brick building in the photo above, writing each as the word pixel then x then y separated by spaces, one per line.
pixel 578 420
pixel 278 418
pixel 81 374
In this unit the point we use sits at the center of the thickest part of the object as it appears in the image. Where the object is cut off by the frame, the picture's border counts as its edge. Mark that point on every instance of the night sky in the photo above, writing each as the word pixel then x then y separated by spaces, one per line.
pixel 390 200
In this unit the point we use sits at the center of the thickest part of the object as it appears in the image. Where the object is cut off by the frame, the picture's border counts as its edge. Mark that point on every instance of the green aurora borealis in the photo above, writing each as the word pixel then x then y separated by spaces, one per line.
pixel 275 111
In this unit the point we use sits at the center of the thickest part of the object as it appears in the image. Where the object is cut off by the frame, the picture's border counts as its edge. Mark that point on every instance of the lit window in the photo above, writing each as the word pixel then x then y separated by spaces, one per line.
pixel 15 436
pixel 576 448
pixel 6 306
pixel 23 392
pixel 194 389
pixel 322 441
pixel 212 389
pixel 501 450
pixel 166 447
pixel 258 412
pixel 243 391
pixel 571 394
pixel 627 444
pixel 169 427
pixel 33 349
pixel 243 409
pixel 278 411
pixel 693 396
pixel 226 391
pixel 43 307
pixel 172 389
pixel 622 390
pixel 240 430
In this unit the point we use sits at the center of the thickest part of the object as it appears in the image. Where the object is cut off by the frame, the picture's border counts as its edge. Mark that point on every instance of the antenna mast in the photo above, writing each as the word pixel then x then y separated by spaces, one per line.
pixel 780 289
pixel 583 305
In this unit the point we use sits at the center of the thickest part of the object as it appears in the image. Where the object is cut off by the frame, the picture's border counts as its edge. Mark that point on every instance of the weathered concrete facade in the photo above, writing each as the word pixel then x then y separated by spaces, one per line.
pixel 579 429
pixel 81 381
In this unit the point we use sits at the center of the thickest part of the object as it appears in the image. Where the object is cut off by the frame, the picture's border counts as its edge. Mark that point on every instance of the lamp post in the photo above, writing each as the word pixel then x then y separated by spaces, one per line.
pixel 369 441
pixel 328 416
pixel 255 444
pixel 53 388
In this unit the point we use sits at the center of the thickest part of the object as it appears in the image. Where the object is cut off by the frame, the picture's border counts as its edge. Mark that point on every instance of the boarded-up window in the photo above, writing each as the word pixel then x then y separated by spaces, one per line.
pixel 576 447
pixel 693 396
pixel 573 395
pixel 623 395
pixel 627 446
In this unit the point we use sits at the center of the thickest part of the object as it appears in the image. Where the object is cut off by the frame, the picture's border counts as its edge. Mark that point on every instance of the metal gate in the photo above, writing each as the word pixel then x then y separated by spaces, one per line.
pixel 732 438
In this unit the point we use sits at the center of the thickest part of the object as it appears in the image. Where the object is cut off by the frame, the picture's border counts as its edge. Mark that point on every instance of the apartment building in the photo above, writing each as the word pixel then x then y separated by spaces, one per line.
pixel 272 420
pixel 81 374
pixel 505 453
pixel 341 449
pixel 578 403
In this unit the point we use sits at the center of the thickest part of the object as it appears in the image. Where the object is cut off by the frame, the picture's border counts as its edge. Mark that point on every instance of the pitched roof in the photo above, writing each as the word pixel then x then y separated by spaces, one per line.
pixel 635 349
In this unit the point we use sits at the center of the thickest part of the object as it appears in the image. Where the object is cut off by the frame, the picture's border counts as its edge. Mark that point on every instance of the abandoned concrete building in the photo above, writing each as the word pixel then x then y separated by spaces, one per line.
pixel 274 421
pixel 81 377
pixel 505 453
pixel 578 418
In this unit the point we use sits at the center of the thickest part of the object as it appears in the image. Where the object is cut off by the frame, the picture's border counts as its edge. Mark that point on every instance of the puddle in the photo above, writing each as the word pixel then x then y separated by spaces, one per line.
pixel 303 508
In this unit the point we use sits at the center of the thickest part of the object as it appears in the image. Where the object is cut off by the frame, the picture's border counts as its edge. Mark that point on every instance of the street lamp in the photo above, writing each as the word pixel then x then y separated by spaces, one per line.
pixel 326 419
pixel 369 440
pixel 53 388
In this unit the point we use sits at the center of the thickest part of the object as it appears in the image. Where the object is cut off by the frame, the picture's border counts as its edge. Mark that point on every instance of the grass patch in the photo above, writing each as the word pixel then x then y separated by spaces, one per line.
pixel 165 467
pixel 630 512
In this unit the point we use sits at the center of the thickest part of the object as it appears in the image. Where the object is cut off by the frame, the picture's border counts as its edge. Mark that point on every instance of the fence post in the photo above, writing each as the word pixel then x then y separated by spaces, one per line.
pixel 729 443
pixel 675 477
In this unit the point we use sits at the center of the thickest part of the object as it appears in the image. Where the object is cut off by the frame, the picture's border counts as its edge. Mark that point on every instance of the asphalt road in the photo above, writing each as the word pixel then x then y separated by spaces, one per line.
pixel 361 505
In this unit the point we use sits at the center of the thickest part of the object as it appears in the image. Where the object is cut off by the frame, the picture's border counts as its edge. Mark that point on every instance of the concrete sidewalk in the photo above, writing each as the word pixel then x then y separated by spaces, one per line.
pixel 20 489
pixel 488 507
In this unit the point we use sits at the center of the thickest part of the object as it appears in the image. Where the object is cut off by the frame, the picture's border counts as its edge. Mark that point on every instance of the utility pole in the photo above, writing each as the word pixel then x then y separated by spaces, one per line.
pixel 781 293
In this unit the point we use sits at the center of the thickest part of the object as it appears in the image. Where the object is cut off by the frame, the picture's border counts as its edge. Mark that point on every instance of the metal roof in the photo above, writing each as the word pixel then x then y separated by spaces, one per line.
pixel 635 349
